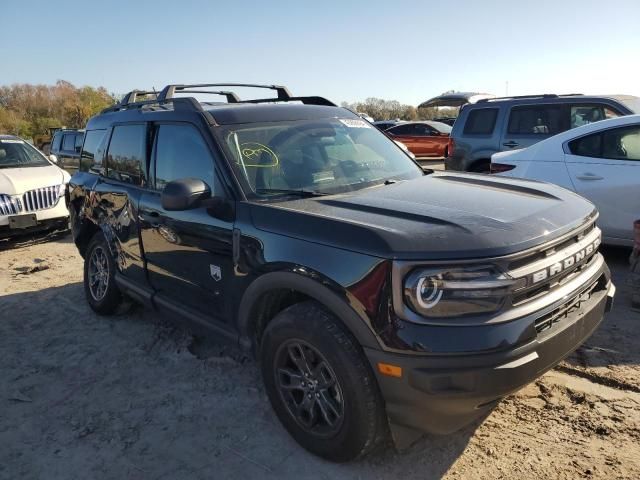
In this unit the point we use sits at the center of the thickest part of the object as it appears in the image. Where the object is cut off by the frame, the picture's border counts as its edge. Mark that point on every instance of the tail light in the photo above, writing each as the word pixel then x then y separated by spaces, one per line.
pixel 450 146
pixel 501 167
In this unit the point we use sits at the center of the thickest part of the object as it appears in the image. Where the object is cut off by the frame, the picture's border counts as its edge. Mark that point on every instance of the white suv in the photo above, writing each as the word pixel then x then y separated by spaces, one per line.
pixel 31 189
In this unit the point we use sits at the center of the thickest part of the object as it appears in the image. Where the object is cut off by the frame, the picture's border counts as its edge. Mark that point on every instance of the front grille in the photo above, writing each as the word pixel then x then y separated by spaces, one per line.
pixel 41 198
pixel 563 311
pixel 555 266
pixel 9 205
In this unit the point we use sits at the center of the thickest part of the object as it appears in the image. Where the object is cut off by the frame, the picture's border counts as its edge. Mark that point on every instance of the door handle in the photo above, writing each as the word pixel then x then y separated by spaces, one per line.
pixel 589 176
pixel 511 144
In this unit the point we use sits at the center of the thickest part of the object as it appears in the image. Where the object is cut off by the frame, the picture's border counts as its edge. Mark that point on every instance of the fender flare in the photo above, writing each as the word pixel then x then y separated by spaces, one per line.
pixel 357 324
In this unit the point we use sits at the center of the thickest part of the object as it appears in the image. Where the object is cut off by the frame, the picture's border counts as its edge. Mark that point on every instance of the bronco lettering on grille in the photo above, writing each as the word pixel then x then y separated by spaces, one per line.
pixel 568 262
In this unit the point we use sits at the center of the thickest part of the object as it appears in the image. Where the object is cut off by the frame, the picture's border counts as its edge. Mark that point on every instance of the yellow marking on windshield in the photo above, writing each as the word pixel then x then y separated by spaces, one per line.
pixel 252 155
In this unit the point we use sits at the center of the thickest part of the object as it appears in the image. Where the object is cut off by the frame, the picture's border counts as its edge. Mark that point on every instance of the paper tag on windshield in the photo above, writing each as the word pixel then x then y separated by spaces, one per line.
pixel 354 123
pixel 10 140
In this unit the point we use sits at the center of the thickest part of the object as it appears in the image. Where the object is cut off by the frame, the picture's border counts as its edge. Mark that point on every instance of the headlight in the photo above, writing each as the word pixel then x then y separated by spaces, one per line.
pixel 457 291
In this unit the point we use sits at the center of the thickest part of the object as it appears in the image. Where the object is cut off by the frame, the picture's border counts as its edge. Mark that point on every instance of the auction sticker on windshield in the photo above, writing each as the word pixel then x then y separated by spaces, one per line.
pixel 354 123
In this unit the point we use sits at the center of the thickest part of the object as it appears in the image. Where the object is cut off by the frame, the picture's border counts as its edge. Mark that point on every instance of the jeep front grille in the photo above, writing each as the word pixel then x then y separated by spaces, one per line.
pixel 41 198
pixel 9 205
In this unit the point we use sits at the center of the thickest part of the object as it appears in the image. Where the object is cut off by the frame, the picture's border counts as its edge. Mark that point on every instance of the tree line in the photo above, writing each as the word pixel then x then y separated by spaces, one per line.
pixel 28 110
pixel 381 109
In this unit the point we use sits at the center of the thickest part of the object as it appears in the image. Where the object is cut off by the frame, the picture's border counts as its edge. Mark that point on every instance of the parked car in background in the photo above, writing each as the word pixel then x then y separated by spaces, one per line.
pixel 496 124
pixel 386 124
pixel 66 145
pixel 600 161
pixel 31 189
pixel 423 139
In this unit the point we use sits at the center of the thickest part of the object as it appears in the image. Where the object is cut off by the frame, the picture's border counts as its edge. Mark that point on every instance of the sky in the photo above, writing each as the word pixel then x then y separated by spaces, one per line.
pixel 344 50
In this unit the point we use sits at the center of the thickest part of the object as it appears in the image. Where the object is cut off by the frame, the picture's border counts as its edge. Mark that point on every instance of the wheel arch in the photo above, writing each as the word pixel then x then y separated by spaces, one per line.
pixel 272 292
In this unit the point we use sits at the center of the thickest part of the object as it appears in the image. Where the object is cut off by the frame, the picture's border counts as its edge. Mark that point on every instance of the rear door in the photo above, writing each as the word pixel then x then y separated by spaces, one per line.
pixel 605 168
pixel 528 124
pixel 188 253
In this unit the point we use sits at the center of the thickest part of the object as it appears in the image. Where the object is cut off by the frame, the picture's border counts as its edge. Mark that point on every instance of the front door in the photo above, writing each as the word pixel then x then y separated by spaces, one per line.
pixel 188 253
pixel 605 168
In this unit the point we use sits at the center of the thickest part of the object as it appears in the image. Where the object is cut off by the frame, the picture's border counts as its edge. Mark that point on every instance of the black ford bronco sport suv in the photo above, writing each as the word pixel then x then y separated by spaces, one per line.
pixel 379 299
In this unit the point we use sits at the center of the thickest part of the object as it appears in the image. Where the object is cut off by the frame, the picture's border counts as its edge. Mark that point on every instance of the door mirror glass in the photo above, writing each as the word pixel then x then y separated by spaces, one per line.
pixel 53 158
pixel 184 194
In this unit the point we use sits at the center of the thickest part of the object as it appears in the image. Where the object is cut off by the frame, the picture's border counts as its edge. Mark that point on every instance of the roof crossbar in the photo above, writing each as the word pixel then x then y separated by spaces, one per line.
pixel 170 90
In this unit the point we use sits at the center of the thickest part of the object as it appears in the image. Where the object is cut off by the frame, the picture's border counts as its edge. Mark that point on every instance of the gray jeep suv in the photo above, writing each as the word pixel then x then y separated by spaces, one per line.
pixel 495 124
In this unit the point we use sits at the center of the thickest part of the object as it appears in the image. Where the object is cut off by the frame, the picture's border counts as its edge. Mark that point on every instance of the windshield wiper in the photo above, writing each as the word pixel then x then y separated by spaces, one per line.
pixel 285 191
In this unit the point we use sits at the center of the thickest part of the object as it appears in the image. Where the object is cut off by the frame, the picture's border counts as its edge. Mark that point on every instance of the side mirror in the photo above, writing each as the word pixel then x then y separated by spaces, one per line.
pixel 53 158
pixel 184 194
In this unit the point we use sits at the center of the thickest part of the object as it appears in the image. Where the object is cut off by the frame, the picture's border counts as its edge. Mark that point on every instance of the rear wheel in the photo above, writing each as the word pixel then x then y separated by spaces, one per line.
pixel 100 287
pixel 320 385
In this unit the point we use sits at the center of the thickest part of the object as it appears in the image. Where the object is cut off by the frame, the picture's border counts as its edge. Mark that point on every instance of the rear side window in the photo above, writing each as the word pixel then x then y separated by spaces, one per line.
pixel 536 120
pixel 126 157
pixel 481 121
pixel 180 152
pixel 585 114
pixel 92 152
pixel 69 142
pixel 615 144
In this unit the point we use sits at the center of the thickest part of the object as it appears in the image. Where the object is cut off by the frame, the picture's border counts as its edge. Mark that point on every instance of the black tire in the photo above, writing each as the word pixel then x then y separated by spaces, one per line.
pixel 481 166
pixel 98 256
pixel 362 424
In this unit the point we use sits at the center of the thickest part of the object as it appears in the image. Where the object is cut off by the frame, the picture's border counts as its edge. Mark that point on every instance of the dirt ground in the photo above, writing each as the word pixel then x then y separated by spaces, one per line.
pixel 85 397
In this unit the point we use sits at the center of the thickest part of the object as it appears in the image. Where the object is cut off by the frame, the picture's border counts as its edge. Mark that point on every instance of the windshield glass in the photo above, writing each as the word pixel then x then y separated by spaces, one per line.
pixel 321 156
pixel 16 153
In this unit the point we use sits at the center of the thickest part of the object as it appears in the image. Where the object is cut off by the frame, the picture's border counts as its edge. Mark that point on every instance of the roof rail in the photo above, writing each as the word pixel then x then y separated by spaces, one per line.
pixel 542 95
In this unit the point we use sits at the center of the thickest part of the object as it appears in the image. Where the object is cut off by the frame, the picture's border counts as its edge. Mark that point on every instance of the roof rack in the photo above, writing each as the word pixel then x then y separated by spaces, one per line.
pixel 167 95
pixel 283 94
pixel 542 95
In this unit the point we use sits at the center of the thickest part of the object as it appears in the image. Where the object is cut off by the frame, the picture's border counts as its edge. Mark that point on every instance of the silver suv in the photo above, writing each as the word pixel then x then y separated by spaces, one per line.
pixel 495 124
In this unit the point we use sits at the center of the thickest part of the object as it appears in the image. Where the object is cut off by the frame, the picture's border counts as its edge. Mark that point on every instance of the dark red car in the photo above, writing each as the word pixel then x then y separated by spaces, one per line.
pixel 423 139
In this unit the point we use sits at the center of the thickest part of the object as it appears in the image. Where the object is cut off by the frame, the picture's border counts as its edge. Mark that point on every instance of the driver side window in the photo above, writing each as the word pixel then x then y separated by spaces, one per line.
pixel 181 152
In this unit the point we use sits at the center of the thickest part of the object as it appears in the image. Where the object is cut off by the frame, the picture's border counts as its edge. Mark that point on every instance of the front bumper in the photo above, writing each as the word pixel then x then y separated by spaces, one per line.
pixel 443 393
pixel 55 217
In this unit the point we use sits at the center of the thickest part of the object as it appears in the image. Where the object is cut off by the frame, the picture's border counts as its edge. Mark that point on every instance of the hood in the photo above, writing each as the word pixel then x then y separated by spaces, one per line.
pixel 439 216
pixel 15 181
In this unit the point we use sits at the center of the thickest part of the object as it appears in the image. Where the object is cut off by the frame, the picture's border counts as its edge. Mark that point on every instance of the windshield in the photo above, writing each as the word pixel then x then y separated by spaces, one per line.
pixel 16 153
pixel 316 156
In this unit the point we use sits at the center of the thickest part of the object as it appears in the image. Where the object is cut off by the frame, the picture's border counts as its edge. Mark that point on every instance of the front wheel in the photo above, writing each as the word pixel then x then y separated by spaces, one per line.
pixel 100 287
pixel 320 385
